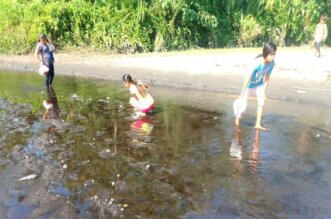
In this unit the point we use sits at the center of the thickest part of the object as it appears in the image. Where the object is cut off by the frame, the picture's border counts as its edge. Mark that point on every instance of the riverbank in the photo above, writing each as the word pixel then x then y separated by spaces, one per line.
pixel 299 76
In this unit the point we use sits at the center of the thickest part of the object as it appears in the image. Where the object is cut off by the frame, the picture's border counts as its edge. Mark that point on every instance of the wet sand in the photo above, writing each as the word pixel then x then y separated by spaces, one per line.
pixel 299 76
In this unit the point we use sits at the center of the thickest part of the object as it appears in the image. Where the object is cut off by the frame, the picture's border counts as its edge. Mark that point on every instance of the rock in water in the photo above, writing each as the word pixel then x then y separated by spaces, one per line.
pixel 32 176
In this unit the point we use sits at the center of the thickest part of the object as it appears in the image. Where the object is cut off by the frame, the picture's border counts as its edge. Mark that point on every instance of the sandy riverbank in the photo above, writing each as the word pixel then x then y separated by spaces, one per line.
pixel 299 77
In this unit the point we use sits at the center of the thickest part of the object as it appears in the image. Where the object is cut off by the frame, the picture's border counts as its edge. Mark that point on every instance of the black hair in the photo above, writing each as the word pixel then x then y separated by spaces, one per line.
pixel 324 17
pixel 127 78
pixel 42 37
pixel 140 86
pixel 268 48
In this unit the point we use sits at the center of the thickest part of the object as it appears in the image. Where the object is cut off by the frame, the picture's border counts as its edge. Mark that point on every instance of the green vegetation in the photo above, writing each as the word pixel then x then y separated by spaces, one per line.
pixel 127 26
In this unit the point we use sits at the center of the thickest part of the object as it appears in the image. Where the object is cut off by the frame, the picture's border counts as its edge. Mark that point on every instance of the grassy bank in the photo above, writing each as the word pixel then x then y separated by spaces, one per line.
pixel 131 26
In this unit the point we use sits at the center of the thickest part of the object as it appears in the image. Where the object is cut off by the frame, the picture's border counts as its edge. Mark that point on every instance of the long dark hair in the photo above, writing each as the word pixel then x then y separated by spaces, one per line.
pixel 140 86
pixel 268 48
pixel 42 37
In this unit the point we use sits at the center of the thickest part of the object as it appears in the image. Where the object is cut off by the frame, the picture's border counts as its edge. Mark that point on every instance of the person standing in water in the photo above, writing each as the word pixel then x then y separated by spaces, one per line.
pixel 141 100
pixel 43 53
pixel 258 81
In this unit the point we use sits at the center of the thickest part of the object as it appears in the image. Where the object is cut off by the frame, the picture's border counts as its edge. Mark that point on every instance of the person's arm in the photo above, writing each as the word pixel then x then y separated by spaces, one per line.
pixel 249 77
pixel 246 82
pixel 135 96
pixel 266 82
pixel 38 55
pixel 51 46
pixel 325 33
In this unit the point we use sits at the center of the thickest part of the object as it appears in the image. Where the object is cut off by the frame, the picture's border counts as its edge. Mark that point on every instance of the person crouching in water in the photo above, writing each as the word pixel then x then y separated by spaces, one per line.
pixel 258 81
pixel 142 101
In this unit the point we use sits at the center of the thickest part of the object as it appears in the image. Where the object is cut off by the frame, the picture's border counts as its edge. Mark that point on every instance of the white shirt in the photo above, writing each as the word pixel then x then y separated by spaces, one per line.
pixel 144 102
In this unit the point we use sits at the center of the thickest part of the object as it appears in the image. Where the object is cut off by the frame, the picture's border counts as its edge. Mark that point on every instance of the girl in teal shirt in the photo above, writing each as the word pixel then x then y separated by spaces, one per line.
pixel 258 81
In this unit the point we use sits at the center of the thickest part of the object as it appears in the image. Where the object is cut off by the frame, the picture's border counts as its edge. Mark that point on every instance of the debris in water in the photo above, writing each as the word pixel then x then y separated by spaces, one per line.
pixel 32 176
pixel 111 201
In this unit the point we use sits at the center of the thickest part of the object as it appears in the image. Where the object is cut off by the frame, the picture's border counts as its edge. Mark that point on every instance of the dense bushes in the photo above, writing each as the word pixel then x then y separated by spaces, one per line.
pixel 157 25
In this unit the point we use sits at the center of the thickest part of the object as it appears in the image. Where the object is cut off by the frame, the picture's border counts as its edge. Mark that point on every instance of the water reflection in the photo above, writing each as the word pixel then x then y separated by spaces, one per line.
pixel 143 125
pixel 236 145
pixel 254 158
pixel 239 148
pixel 52 109
pixel 245 156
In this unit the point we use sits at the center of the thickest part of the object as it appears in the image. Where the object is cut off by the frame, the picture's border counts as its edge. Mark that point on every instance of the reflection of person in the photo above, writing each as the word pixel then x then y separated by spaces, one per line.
pixel 236 147
pixel 43 53
pixel 141 100
pixel 52 110
pixel 258 80
pixel 144 124
pixel 255 155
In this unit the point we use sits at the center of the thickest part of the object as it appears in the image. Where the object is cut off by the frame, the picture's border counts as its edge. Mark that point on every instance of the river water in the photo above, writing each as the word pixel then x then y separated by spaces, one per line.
pixel 92 158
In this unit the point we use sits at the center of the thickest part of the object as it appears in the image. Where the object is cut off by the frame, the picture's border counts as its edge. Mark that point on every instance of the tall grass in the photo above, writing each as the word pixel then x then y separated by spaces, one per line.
pixel 127 26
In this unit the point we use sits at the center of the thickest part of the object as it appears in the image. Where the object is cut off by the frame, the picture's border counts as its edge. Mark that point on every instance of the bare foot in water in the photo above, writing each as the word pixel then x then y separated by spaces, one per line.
pixel 259 127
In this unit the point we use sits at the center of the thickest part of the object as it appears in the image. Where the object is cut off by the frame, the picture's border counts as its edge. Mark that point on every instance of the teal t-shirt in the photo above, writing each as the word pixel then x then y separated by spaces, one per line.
pixel 259 73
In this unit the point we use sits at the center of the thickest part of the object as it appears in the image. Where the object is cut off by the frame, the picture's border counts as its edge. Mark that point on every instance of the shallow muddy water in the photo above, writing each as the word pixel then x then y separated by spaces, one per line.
pixel 94 159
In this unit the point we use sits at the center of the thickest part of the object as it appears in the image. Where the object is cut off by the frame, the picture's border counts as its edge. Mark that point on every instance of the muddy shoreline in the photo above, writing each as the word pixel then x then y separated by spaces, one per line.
pixel 299 76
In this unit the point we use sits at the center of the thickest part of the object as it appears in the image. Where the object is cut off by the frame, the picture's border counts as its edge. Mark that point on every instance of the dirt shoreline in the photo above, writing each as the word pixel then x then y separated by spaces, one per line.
pixel 299 76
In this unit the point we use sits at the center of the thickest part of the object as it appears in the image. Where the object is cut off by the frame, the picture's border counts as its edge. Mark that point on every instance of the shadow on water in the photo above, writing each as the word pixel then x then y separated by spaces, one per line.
pixel 90 157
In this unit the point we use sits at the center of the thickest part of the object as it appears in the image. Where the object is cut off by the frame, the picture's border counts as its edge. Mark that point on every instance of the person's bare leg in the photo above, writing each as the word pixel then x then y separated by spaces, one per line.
pixel 259 117
pixel 237 122
pixel 318 52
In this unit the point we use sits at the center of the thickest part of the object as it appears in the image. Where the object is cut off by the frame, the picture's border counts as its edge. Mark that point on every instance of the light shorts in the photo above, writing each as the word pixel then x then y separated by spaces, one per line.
pixel 141 107
pixel 259 91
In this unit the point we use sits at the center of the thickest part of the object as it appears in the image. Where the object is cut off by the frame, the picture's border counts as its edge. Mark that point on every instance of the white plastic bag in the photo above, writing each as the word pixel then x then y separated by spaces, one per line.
pixel 43 69
pixel 239 106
